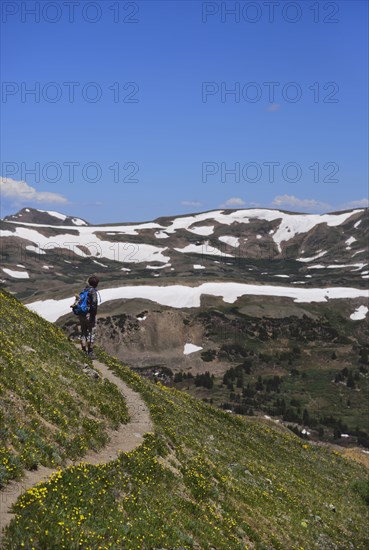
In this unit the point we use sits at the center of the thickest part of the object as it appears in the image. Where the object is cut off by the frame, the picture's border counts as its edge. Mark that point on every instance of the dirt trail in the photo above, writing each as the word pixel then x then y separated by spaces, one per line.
pixel 125 439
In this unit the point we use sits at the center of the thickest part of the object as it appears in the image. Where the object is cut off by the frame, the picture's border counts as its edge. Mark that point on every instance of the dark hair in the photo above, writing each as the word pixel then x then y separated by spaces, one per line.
pixel 93 281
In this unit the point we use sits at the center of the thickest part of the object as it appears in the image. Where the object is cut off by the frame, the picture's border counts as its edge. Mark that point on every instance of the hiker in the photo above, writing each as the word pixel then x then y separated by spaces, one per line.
pixel 86 309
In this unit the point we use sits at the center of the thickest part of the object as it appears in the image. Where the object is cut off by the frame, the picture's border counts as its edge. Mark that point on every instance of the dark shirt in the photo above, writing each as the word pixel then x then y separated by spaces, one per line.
pixel 92 302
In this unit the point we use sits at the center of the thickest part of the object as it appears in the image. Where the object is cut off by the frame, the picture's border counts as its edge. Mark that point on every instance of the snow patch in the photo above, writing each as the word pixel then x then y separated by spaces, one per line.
pixel 181 296
pixel 335 266
pixel 16 274
pixel 360 252
pixel 202 230
pixel 231 241
pixel 350 241
pixel 157 266
pixel 54 214
pixel 36 249
pixel 359 313
pixel 293 224
pixel 78 221
pixel 203 248
pixel 318 255
pixel 191 348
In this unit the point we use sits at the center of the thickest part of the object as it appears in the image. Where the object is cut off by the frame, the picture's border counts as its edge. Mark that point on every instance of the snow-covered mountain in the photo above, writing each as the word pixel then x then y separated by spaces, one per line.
pixel 249 245
pixel 164 281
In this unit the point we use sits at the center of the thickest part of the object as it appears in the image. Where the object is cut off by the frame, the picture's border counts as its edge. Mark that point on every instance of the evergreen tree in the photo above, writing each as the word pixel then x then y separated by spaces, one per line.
pixel 306 417
pixel 350 380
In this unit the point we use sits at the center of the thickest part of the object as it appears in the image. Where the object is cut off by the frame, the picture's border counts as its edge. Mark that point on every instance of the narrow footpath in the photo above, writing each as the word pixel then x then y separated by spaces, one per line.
pixel 125 439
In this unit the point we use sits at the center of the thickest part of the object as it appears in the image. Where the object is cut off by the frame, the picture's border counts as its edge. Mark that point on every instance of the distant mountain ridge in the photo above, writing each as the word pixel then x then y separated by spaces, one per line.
pixel 244 245
pixel 35 216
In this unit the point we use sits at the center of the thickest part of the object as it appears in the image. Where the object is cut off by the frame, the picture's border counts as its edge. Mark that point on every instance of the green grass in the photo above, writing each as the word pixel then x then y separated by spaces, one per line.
pixel 50 410
pixel 203 479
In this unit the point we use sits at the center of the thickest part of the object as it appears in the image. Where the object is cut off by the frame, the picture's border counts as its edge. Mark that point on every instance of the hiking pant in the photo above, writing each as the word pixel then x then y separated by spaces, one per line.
pixel 88 331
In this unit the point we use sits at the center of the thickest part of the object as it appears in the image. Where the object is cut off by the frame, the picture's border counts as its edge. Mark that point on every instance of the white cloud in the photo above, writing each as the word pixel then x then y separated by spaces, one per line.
pixel 361 203
pixel 291 200
pixel 21 192
pixel 233 201
pixel 194 204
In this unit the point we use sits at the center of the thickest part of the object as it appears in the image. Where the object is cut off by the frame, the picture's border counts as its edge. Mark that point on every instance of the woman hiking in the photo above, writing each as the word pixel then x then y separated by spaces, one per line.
pixel 86 309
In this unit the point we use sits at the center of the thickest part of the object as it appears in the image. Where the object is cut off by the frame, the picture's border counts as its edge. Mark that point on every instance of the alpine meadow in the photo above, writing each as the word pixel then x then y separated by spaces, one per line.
pixel 184 275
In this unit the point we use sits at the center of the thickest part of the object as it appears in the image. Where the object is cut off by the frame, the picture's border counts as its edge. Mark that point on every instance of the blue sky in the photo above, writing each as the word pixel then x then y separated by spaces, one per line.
pixel 146 113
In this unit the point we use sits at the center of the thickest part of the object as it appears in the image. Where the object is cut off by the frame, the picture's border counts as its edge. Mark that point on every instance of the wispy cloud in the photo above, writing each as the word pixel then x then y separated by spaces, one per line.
pixel 361 203
pixel 22 193
pixel 232 202
pixel 191 204
pixel 295 202
pixel 272 107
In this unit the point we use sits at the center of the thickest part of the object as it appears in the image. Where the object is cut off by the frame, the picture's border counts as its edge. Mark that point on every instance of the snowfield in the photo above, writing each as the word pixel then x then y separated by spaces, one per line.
pixel 86 238
pixel 78 234
pixel 181 296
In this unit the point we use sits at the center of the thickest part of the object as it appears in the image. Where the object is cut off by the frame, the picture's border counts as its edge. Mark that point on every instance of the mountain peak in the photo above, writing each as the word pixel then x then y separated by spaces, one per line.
pixel 44 217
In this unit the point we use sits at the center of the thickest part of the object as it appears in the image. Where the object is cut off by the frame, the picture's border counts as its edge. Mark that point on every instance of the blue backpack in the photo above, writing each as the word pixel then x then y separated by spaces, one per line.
pixel 82 307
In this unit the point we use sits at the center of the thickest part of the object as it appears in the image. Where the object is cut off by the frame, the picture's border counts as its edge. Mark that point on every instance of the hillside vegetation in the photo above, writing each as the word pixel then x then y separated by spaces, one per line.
pixel 304 364
pixel 204 479
pixel 50 409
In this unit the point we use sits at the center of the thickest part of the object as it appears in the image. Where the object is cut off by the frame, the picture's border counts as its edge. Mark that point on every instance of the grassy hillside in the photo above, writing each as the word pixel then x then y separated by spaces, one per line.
pixel 204 479
pixel 50 409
